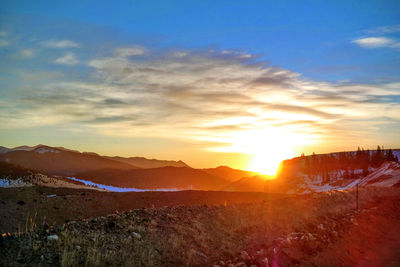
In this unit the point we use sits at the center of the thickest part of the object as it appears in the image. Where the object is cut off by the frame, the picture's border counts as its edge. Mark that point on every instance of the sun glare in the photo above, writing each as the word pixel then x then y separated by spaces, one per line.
pixel 267 148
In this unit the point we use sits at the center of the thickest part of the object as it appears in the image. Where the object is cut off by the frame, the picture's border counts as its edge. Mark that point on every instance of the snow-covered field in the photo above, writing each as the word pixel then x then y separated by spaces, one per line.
pixel 317 186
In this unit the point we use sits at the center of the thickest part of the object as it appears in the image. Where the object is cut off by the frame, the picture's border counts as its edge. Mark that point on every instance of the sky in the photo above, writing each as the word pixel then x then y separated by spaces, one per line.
pixel 238 83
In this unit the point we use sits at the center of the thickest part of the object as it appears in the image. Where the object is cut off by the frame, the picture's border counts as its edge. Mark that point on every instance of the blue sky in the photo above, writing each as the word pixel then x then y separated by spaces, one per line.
pixel 310 37
pixel 304 52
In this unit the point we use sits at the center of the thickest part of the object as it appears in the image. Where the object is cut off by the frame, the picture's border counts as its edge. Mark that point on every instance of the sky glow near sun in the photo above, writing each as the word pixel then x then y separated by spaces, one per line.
pixel 175 87
pixel 266 147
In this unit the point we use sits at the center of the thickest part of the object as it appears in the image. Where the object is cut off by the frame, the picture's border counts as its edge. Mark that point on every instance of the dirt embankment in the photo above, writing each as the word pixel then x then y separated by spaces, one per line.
pixel 321 229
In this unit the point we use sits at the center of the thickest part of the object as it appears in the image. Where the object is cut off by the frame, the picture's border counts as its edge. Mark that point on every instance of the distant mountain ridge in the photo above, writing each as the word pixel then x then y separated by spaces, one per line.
pixel 130 162
pixel 57 161
pixel 145 163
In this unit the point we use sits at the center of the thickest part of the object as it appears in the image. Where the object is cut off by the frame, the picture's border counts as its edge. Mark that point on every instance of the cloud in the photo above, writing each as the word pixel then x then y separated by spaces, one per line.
pixel 3 33
pixel 206 95
pixel 3 42
pixel 377 42
pixel 68 59
pixel 60 44
pixel 127 52
pixel 27 53
pixel 384 29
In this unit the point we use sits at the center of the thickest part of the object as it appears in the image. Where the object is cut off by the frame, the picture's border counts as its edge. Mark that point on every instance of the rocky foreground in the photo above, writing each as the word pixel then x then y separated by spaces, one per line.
pixel 320 229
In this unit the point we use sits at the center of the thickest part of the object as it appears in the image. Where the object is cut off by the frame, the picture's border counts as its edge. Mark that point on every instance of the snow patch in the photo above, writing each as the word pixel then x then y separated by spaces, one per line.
pixel 396 153
pixel 42 150
pixel 123 189
pixel 12 183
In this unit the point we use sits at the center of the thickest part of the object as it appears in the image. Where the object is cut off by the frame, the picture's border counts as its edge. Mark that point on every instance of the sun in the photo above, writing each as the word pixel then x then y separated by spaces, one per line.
pixel 265 163
pixel 267 148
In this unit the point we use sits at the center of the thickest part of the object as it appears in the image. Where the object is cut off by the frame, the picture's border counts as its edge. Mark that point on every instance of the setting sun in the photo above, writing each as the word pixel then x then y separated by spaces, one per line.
pixel 267 148
pixel 265 163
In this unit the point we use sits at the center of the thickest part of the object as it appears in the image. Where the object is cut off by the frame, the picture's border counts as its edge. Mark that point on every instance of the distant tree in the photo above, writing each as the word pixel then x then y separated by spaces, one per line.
pixel 352 174
pixel 314 163
pixel 307 165
pixel 378 157
pixel 346 174
pixel 390 156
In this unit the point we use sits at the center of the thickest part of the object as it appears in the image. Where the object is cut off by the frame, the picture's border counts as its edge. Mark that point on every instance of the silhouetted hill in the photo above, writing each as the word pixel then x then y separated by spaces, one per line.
pixel 11 171
pixel 145 163
pixel 247 184
pixel 56 161
pixel 228 173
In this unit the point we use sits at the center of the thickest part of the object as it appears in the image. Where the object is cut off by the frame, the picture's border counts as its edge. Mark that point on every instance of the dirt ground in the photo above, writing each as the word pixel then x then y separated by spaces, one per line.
pixel 57 205
pixel 320 229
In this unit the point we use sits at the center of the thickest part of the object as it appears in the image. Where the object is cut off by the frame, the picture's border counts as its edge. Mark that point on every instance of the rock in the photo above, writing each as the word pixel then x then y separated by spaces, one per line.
pixel 21 203
pixel 260 252
pixel 244 256
pixel 130 228
pixel 111 224
pixel 20 258
pixel 198 257
pixel 136 235
pixel 52 237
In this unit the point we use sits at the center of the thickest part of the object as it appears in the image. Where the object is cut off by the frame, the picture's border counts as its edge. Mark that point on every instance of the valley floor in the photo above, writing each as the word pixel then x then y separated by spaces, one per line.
pixel 200 228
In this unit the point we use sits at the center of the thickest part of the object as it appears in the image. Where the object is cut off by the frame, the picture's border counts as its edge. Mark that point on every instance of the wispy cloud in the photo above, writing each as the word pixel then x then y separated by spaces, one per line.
pixel 60 44
pixel 68 59
pixel 27 53
pixel 377 42
pixel 130 51
pixel 384 29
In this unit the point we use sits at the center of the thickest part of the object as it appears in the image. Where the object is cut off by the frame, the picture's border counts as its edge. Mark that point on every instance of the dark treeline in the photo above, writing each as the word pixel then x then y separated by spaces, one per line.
pixel 351 164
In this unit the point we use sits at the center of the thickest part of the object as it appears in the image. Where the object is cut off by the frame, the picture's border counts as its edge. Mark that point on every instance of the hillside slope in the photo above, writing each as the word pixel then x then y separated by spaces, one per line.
pixel 228 173
pixel 166 177
pixel 247 184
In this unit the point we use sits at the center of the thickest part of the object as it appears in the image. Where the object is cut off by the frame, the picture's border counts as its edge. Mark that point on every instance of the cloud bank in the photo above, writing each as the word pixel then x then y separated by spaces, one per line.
pixel 218 97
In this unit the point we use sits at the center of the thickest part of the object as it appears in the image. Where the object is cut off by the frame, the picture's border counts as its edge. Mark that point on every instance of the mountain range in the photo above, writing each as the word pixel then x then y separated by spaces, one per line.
pixel 136 172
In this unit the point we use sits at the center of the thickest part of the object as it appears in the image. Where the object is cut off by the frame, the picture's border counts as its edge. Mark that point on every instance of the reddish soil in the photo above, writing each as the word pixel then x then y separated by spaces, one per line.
pixel 320 229
pixel 73 204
